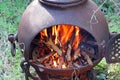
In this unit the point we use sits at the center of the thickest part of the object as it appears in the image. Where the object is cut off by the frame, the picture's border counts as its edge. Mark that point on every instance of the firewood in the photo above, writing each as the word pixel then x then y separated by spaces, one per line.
pixel 47 65
pixel 70 65
pixel 42 59
pixel 35 60
pixel 76 54
pixel 91 54
pixel 46 57
pixel 68 56
pixel 87 58
pixel 60 64
pixel 55 48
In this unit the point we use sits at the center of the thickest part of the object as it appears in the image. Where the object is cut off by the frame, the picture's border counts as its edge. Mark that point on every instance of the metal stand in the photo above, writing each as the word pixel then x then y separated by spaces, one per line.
pixel 25 67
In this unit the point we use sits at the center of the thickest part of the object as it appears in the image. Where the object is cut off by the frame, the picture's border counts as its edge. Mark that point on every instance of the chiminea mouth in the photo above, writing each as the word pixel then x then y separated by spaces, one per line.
pixel 62 3
pixel 63 47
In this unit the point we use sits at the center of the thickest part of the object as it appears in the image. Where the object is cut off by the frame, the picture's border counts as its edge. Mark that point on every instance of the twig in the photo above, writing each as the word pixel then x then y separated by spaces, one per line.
pixel 87 58
pixel 61 62
pixel 68 56
pixel 76 54
pixel 55 48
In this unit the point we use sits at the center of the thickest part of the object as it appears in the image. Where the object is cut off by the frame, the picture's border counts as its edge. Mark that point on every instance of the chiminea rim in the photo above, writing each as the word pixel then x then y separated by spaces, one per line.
pixel 64 72
pixel 62 3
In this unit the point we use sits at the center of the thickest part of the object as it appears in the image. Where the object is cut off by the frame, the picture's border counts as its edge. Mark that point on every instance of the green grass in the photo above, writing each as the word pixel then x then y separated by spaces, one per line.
pixel 114 22
pixel 10 14
pixel 107 71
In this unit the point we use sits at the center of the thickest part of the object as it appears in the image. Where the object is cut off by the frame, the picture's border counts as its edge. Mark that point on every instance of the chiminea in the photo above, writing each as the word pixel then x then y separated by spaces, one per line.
pixel 64 40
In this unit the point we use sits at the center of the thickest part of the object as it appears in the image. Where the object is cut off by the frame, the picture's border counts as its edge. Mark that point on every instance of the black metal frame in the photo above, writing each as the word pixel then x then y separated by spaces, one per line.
pixel 112 53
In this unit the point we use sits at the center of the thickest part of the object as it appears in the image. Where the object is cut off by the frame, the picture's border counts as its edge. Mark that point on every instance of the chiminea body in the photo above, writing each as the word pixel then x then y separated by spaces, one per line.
pixel 41 14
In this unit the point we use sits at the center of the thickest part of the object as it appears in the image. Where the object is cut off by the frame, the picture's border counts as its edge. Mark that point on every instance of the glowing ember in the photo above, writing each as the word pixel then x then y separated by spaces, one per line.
pixel 54 63
pixel 63 66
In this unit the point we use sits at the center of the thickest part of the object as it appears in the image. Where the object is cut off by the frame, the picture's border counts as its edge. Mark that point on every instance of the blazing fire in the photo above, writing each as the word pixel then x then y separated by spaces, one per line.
pixel 63 43
pixel 63 34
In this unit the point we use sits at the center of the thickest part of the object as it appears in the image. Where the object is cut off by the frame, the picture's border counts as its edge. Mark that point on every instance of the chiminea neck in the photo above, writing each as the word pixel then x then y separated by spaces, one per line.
pixel 62 3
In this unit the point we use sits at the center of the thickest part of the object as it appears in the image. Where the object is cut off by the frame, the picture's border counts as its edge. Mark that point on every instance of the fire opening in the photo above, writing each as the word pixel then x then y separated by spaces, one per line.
pixel 64 46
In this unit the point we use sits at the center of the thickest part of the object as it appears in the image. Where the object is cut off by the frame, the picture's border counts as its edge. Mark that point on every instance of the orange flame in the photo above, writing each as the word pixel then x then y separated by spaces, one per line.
pixel 66 33
pixel 55 32
pixel 62 34
pixel 43 33
pixel 77 38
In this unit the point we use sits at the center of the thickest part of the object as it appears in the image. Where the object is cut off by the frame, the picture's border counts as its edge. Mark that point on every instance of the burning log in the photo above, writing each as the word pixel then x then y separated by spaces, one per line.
pixel 89 49
pixel 68 56
pixel 87 58
pixel 55 48
pixel 61 62
pixel 91 54
pixel 69 64
pixel 44 58
pixel 76 54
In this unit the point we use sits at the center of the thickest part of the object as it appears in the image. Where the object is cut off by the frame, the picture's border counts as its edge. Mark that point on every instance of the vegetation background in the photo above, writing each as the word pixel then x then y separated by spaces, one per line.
pixel 10 14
